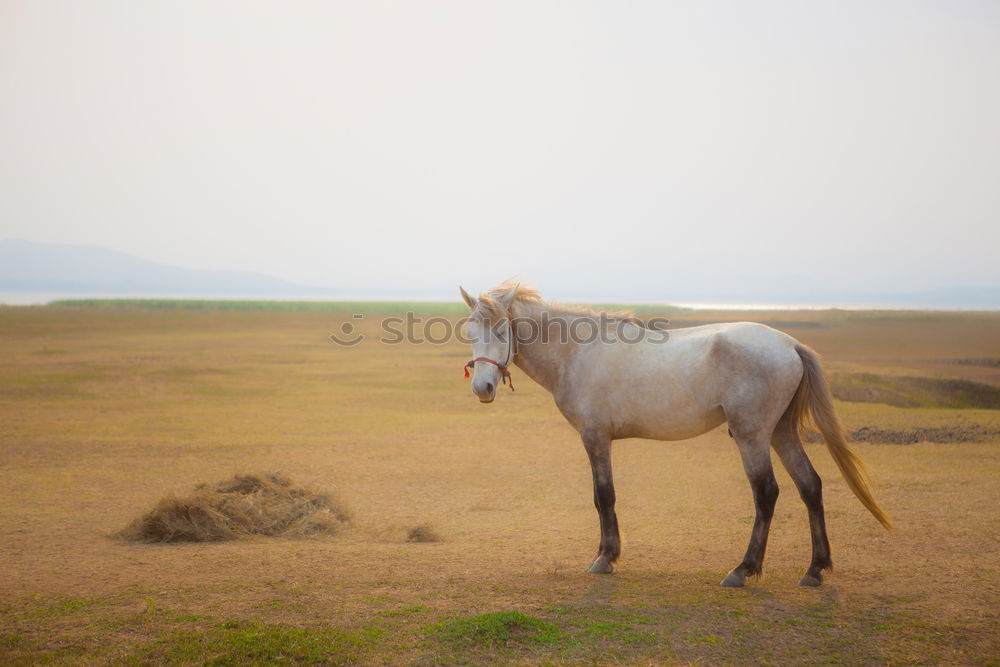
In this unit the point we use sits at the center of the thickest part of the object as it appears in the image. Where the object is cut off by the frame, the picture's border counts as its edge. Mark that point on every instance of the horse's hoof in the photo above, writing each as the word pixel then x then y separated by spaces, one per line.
pixel 600 566
pixel 734 580
pixel 811 581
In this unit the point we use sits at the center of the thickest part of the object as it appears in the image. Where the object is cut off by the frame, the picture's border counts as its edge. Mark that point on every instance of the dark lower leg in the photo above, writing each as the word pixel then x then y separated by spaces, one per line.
pixel 812 495
pixel 765 495
pixel 599 451
pixel 604 501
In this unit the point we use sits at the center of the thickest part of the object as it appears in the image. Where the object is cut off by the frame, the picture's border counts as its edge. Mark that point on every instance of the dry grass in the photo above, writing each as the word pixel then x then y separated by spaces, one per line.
pixel 244 505
pixel 105 409
pixel 422 533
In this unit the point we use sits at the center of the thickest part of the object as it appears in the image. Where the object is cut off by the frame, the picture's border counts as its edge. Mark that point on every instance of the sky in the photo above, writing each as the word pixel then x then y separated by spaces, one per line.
pixel 629 150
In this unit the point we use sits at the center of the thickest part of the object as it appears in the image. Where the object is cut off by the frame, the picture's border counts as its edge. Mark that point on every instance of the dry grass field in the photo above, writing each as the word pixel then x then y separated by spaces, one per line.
pixel 472 524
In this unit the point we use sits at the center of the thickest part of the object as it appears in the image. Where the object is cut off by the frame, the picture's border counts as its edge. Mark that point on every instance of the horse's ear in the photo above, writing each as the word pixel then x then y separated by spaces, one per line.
pixel 467 298
pixel 509 297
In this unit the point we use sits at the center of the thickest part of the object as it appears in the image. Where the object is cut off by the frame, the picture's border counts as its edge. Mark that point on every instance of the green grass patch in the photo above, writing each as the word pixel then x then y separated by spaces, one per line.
pixel 187 618
pixel 497 629
pixel 405 611
pixel 250 643
pixel 63 607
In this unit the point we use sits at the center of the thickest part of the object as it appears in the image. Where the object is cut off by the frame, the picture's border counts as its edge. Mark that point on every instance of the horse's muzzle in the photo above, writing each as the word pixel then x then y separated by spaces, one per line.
pixel 486 393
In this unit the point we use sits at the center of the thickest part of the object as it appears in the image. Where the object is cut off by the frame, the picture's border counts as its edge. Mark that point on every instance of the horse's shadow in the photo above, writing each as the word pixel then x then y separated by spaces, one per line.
pixel 602 590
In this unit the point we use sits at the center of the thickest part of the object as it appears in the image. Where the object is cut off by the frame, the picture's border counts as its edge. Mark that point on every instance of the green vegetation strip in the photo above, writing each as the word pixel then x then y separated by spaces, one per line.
pixel 421 307
pixel 443 308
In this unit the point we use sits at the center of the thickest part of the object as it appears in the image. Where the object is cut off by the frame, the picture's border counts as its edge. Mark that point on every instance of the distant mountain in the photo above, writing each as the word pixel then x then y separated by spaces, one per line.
pixel 28 266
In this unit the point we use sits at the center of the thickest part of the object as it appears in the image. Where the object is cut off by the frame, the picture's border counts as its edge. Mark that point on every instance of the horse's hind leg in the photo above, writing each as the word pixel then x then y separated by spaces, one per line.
pixel 787 444
pixel 598 448
pixel 757 464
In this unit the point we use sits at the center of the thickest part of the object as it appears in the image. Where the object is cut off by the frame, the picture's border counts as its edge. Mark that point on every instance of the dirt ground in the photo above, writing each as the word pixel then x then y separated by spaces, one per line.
pixel 104 411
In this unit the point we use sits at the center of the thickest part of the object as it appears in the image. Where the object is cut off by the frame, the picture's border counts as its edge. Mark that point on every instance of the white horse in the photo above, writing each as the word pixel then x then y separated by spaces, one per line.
pixel 614 377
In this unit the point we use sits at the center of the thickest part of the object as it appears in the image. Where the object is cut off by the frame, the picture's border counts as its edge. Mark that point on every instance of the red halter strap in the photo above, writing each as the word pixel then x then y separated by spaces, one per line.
pixel 504 371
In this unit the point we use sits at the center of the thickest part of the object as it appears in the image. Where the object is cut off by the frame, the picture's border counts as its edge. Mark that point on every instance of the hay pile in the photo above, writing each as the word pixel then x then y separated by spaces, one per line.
pixel 244 505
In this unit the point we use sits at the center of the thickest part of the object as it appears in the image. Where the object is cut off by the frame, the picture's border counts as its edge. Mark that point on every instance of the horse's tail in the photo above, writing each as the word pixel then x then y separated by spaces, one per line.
pixel 813 396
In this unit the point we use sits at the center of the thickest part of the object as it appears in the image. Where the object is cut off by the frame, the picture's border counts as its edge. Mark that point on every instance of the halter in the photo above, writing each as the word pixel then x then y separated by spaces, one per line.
pixel 504 371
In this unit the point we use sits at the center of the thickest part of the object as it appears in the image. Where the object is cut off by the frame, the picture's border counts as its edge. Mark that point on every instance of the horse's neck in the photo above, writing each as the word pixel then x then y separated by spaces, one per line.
pixel 539 362
pixel 542 361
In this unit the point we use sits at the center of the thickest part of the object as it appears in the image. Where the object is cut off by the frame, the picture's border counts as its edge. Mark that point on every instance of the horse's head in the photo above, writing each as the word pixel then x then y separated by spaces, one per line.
pixel 490 328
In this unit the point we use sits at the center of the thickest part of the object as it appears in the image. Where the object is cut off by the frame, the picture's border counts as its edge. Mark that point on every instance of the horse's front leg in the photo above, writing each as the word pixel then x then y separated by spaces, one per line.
pixel 598 447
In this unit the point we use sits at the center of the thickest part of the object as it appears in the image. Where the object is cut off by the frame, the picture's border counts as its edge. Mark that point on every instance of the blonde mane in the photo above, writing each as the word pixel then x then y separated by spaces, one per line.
pixel 490 308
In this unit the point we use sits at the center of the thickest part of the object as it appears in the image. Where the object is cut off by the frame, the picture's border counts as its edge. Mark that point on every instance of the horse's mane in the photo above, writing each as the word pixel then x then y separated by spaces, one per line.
pixel 490 308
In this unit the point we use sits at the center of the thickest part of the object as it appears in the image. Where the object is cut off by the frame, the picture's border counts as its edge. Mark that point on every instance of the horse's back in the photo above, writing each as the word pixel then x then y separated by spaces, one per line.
pixel 753 345
pixel 749 353
pixel 681 386
pixel 727 348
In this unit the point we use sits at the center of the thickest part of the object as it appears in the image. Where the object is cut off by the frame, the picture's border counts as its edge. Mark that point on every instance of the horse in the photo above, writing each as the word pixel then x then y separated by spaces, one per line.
pixel 627 379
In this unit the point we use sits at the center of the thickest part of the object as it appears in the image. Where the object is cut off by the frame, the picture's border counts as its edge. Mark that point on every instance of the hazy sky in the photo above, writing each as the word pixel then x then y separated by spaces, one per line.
pixel 626 149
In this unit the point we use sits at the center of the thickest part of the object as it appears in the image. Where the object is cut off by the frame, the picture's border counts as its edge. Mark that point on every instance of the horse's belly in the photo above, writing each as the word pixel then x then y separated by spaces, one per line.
pixel 678 425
